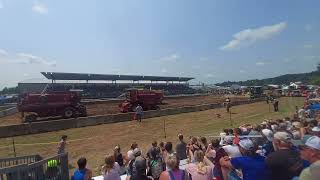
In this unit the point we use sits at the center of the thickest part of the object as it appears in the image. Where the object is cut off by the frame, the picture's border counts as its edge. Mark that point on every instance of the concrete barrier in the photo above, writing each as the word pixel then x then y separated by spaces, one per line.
pixel 61 124
pixel 9 111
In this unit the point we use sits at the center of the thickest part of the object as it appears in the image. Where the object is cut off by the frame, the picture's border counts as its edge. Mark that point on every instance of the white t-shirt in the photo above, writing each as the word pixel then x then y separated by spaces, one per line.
pixel 232 151
pixel 130 155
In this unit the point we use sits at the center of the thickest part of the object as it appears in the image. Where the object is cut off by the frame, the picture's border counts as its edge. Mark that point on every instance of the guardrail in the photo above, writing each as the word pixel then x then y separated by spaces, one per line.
pixel 61 124
pixel 52 168
pixel 7 162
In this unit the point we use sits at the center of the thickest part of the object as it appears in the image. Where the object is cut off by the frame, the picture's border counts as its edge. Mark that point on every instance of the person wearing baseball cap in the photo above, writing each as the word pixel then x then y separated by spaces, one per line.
pixel 310 151
pixel 284 163
pixel 252 165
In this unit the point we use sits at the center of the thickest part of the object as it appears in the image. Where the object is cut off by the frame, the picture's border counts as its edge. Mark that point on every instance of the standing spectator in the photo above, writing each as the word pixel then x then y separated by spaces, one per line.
pixel 130 154
pixel 156 165
pixel 311 152
pixel 139 113
pixel 267 147
pixel 202 168
pixel 256 131
pixel 181 148
pixel 229 148
pixel 153 147
pixel 204 144
pixel 219 154
pixel 82 173
pixel 284 163
pixel 131 167
pixel 173 171
pixel 237 133
pixel 252 165
pixel 141 166
pixel 62 144
pixel 119 159
pixel 111 169
pixel 168 148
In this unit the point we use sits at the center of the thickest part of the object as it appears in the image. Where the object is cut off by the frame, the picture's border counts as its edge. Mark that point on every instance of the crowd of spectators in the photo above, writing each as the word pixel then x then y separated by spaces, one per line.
pixel 282 149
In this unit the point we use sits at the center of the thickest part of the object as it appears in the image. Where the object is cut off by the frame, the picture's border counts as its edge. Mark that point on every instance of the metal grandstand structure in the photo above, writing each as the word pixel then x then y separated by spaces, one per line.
pixel 54 76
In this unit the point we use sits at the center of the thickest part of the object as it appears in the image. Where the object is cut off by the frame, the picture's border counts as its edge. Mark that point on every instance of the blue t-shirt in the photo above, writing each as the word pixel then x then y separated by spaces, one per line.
pixel 253 168
pixel 79 174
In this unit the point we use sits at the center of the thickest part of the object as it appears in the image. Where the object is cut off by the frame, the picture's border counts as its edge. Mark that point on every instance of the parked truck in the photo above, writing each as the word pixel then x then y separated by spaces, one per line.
pixel 148 99
pixel 65 104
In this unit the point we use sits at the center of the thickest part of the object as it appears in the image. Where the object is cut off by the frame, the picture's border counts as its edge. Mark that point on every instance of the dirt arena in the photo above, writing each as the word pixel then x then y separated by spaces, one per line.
pixel 94 142
pixel 112 107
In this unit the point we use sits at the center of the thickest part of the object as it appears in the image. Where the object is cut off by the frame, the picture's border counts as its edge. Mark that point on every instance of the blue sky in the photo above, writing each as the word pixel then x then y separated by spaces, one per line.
pixel 210 40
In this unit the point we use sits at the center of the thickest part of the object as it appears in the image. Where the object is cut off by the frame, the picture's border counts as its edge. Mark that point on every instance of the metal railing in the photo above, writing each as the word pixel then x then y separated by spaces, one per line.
pixel 54 168
pixel 6 162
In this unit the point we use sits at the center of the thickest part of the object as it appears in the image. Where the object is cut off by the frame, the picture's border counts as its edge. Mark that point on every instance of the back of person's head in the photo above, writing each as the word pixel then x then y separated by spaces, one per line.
pixel 82 162
pixel 281 140
pixel 194 140
pixel 180 136
pixel 154 144
pixel 215 143
pixel 155 153
pixel 64 137
pixel 168 146
pixel 226 131
pixel 172 162
pixel 203 140
pixel 161 144
pixel 237 131
pixel 198 156
pixel 230 131
pixel 117 149
pixel 141 165
pixel 257 128
pixel 109 161
pixel 133 146
pixel 246 147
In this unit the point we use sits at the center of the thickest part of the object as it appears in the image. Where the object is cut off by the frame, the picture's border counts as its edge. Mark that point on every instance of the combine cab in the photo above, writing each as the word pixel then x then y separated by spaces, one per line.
pixel 65 104
pixel 256 92
pixel 148 99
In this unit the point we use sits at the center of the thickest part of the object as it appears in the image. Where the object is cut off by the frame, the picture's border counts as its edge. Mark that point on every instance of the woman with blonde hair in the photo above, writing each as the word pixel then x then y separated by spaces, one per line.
pixel 202 168
pixel 110 169
pixel 173 171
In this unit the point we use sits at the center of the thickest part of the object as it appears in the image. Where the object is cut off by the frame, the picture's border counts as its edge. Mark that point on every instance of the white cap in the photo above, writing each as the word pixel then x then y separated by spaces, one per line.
pixel 282 136
pixel 316 129
pixel 228 139
pixel 246 144
pixel 268 134
pixel 313 142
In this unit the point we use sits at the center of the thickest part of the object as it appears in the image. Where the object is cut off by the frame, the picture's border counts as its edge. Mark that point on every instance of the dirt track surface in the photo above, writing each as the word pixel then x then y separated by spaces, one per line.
pixel 112 107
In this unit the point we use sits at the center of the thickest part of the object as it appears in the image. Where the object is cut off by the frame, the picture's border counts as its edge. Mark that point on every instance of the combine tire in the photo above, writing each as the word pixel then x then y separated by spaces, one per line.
pixel 30 118
pixel 69 112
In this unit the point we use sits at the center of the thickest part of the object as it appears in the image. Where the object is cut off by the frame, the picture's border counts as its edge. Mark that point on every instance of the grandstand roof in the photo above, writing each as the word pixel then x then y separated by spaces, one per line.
pixel 110 77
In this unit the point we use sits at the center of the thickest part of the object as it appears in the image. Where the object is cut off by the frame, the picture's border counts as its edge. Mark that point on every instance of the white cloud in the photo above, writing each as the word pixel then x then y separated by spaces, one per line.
pixel 209 75
pixel 1 5
pixel 261 63
pixel 39 8
pixel 25 58
pixel 164 70
pixel 248 37
pixel 3 53
pixel 242 71
pixel 171 58
pixel 307 46
pixel 308 27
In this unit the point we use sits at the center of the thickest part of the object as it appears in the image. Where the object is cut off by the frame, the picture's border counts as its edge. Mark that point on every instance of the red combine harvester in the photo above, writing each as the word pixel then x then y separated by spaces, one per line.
pixel 65 104
pixel 148 99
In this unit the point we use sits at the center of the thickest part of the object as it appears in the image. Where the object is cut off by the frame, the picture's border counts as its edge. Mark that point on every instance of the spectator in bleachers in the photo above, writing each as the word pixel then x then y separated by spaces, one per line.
pixel 130 154
pixel 219 154
pixel 284 163
pixel 251 164
pixel 203 143
pixel 82 173
pixel 111 169
pixel 155 164
pixel 131 166
pixel 237 133
pixel 231 149
pixel 267 146
pixel 310 150
pixel 161 146
pixel 153 147
pixel 173 171
pixel 119 159
pixel 141 166
pixel 181 148
pixel 256 131
pixel 202 168
pixel 168 148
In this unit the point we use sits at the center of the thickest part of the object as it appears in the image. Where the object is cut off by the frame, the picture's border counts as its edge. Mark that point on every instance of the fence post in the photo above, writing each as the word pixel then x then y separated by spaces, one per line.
pixel 64 166
pixel 14 147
